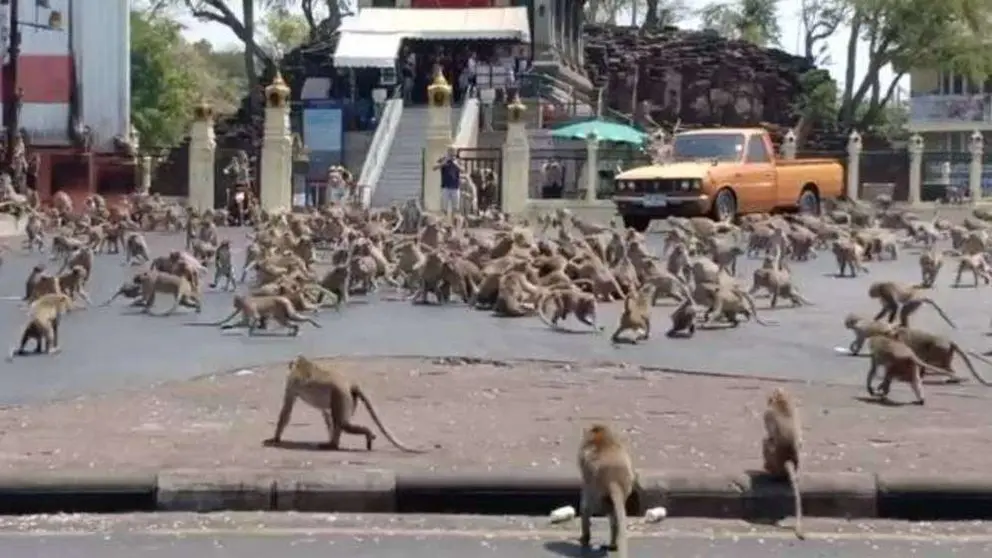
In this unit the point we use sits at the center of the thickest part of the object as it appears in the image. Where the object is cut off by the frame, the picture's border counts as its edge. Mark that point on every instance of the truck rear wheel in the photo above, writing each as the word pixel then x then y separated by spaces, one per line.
pixel 724 206
pixel 809 202
pixel 637 222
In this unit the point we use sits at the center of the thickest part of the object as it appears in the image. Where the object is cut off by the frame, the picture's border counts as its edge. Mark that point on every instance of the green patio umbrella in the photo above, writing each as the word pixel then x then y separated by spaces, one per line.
pixel 602 129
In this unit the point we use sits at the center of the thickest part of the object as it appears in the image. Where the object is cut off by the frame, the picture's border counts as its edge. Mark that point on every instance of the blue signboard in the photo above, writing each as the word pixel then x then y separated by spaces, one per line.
pixel 323 134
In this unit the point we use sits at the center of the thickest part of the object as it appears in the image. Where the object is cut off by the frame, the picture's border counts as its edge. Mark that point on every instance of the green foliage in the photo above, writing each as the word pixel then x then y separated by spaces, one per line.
pixel 163 87
pixel 755 21
pixel 284 31
pixel 818 100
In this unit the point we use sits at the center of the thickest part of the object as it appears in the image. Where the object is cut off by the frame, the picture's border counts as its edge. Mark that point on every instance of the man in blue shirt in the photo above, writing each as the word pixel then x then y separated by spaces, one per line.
pixel 451 173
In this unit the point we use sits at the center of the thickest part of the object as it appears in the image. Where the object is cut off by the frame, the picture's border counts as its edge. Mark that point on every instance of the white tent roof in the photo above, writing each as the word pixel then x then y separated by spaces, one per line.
pixel 365 49
pixel 508 23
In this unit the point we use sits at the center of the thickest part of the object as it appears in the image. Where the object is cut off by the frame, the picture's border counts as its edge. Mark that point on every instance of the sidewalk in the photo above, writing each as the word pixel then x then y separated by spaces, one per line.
pixel 482 417
pixel 501 437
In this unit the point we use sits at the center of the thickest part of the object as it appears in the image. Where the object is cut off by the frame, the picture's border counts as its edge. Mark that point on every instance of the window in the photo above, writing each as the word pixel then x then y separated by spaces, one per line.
pixel 703 146
pixel 756 152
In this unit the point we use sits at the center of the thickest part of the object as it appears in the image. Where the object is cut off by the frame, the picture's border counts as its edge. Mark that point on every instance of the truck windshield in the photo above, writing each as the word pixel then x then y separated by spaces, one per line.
pixel 722 147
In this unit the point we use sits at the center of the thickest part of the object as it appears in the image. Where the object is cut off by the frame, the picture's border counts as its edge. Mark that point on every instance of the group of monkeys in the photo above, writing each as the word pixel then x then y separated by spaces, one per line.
pixel 511 273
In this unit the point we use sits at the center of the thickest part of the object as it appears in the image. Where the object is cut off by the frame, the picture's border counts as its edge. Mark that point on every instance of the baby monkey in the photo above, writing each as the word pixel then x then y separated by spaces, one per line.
pixel 781 445
pixel 608 479
pixel 331 393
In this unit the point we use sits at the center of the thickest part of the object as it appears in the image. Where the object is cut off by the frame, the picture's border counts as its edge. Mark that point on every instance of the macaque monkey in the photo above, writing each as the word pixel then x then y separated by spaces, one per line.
pixel 568 301
pixel 336 397
pixel 938 351
pixel 902 299
pixel 931 262
pixel 223 267
pixel 684 320
pixel 636 314
pixel 781 445
pixel 850 255
pixel 33 277
pixel 977 265
pixel 43 324
pixel 135 250
pixel 900 363
pixel 608 479
pixel 255 312
pixel 154 282
pixel 863 329
pixel 130 290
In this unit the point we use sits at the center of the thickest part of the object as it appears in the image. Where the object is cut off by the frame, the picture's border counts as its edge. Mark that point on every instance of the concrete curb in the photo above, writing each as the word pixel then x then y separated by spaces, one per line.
pixel 749 495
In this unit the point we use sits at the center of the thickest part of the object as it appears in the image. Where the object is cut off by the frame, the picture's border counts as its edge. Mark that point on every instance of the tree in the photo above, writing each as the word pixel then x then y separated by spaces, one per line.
pixel 904 34
pixel 755 21
pixel 284 31
pixel 664 13
pixel 163 89
pixel 820 19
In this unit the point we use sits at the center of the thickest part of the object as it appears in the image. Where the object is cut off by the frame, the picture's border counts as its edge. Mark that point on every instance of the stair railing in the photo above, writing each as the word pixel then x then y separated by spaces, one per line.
pixel 379 148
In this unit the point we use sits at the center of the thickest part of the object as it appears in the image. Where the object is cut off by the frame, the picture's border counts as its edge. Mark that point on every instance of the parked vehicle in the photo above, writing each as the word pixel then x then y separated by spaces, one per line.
pixel 723 173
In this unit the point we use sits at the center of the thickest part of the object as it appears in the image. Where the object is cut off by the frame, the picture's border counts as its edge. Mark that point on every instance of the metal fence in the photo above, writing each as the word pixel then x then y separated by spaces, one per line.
pixel 572 163
pixel 943 170
pixel 475 162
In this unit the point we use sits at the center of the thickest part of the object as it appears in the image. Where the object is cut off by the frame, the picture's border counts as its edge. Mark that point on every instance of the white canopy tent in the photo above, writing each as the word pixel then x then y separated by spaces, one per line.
pixel 372 38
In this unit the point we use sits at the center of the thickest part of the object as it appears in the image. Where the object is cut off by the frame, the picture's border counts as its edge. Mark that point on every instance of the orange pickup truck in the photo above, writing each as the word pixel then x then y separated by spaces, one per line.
pixel 723 172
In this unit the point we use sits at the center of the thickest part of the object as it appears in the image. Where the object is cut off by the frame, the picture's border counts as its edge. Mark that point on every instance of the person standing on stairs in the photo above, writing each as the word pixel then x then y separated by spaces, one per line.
pixel 451 174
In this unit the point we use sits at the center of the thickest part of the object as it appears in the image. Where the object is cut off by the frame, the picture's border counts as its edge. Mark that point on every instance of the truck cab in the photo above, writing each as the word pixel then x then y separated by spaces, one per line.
pixel 724 172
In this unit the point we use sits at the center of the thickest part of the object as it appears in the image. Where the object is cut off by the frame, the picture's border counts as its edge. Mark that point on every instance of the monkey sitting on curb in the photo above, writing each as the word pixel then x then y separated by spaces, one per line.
pixel 608 479
pixel 781 445
pixel 336 397
pixel 43 324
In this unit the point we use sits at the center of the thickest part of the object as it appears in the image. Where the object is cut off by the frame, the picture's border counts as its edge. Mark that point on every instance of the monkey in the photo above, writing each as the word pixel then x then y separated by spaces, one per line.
pixel 781 445
pixel 33 278
pixel 779 284
pixel 131 290
pixel 154 282
pixel 902 299
pixel 256 310
pixel 931 262
pixel 937 350
pixel 71 283
pixel 863 329
pixel 35 232
pixel 636 314
pixel 135 250
pixel 568 301
pixel 684 320
pixel 731 301
pixel 43 325
pixel 82 257
pixel 223 267
pixel 900 362
pixel 850 255
pixel 977 265
pixel 608 479
pixel 510 299
pixel 336 397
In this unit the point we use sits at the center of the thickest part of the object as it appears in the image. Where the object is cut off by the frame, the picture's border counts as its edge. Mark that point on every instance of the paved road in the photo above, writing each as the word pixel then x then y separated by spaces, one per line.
pixel 263 536
pixel 106 348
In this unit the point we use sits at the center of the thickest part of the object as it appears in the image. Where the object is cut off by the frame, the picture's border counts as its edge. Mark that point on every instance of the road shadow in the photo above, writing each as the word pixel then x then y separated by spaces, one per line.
pixel 306 446
pixel 881 401
pixel 573 549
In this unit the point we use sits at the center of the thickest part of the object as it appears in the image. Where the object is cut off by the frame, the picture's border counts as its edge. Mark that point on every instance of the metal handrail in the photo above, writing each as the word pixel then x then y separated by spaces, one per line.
pixel 379 148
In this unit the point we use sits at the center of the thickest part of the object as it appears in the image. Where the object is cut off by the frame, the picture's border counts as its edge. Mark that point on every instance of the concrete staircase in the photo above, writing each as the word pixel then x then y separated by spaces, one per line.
pixel 401 175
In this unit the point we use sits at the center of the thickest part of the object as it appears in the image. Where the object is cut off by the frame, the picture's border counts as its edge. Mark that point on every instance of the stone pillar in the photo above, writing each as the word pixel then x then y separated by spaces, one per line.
pixel 147 168
pixel 202 158
pixel 853 165
pixel 487 97
pixel 976 146
pixel 276 182
pixel 580 47
pixel 515 171
pixel 789 145
pixel 568 35
pixel 438 139
pixel 592 167
pixel 558 27
pixel 915 168
pixel 379 97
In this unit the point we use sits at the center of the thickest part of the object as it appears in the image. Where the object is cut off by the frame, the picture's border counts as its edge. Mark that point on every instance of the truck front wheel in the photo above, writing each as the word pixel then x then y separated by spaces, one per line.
pixel 724 206
pixel 637 222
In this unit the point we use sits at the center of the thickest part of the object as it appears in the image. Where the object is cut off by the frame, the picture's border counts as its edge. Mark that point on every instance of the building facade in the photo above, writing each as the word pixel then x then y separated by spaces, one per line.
pixel 86 62
pixel 946 108
pixel 555 25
